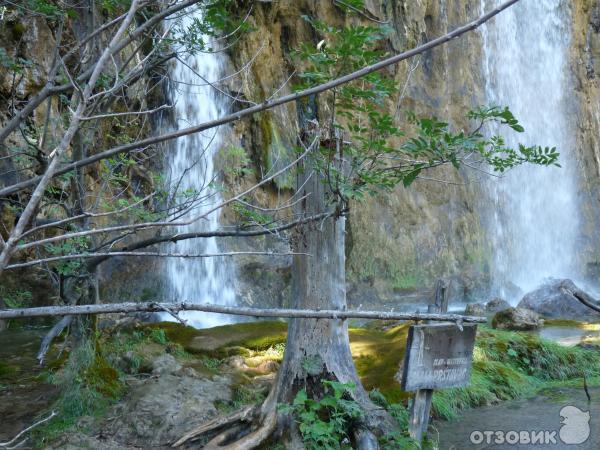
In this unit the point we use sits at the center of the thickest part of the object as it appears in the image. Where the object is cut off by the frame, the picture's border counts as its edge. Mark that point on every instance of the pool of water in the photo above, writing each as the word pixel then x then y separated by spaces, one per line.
pixel 23 393
pixel 569 335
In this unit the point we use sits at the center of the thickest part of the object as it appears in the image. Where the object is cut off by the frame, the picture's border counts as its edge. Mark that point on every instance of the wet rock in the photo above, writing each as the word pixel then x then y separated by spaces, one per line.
pixel 475 309
pixel 268 367
pixel 236 362
pixel 496 304
pixel 246 365
pixel 518 319
pixel 162 409
pixel 555 299
pixel 165 364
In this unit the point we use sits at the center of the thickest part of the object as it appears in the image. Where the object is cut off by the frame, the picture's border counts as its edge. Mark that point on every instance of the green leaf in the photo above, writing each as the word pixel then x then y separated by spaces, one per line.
pixel 411 176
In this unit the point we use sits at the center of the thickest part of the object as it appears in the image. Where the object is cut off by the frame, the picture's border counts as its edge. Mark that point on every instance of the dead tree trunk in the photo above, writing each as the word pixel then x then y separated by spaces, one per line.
pixel 316 349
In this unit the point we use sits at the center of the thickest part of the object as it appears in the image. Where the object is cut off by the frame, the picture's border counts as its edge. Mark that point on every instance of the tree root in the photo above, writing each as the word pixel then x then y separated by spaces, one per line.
pixel 243 415
pixel 264 418
pixel 252 426
pixel 248 442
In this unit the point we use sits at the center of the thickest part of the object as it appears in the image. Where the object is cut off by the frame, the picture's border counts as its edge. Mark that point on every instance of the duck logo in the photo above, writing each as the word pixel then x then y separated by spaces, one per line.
pixel 575 425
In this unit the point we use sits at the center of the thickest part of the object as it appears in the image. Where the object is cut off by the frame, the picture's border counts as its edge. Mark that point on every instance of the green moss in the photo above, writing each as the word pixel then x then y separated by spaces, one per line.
pixel 6 370
pixel 378 355
pixel 225 340
pixel 406 281
pixel 103 378
pixel 175 332
pixel 510 364
pixel 564 323
pixel 89 385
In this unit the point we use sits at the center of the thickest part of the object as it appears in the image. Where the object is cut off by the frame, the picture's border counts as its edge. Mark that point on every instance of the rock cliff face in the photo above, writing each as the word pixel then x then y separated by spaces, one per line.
pixel 585 65
pixel 399 243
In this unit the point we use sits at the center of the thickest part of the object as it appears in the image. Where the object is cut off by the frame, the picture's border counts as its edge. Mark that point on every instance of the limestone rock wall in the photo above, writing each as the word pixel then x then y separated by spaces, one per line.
pixel 397 244
pixel 585 64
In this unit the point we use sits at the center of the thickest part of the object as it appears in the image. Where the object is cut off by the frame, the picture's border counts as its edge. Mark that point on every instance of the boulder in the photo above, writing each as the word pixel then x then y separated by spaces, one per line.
pixel 163 408
pixel 475 309
pixel 555 299
pixel 165 364
pixel 518 319
pixel 496 304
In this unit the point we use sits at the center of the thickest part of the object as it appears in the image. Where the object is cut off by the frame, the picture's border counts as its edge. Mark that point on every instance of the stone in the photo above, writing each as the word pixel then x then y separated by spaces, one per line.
pixel 555 299
pixel 165 364
pixel 517 319
pixel 475 309
pixel 161 409
pixel 496 304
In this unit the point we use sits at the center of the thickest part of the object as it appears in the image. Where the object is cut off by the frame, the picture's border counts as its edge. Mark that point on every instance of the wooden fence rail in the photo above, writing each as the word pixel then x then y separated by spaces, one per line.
pixel 174 308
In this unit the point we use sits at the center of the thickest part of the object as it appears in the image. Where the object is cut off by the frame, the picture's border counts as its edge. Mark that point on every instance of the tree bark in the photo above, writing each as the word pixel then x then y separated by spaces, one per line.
pixel 317 349
pixel 3 323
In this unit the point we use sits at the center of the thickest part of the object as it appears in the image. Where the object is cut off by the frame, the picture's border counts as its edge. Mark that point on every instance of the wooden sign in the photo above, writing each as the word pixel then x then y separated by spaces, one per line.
pixel 438 356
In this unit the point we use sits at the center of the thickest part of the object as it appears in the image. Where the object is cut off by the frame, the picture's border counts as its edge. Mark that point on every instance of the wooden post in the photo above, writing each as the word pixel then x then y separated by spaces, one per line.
pixel 421 404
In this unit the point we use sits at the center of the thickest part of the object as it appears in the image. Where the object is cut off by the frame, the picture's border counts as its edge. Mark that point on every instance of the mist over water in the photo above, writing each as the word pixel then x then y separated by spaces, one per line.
pixel 534 214
pixel 199 280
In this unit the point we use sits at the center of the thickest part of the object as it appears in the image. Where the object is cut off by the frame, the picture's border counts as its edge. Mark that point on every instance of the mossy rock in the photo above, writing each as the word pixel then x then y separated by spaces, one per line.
pixel 214 341
pixel 518 319
pixel 378 356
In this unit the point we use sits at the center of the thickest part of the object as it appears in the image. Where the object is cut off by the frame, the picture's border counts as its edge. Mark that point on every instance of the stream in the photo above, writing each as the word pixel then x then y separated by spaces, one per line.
pixel 541 412
pixel 23 395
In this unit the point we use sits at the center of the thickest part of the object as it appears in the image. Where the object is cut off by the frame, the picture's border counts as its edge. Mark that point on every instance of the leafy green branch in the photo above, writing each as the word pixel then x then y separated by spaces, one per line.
pixel 375 153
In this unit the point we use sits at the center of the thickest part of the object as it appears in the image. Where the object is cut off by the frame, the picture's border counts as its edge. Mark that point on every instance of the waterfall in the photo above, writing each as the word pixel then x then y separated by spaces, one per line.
pixel 202 280
pixel 534 214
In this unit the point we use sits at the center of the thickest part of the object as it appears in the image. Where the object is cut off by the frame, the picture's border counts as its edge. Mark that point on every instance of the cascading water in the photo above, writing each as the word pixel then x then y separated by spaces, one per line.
pixel 202 280
pixel 534 224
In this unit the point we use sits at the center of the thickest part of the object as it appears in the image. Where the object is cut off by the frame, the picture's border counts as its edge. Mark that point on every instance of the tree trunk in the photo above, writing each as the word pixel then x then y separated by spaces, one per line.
pixel 318 349
pixel 3 323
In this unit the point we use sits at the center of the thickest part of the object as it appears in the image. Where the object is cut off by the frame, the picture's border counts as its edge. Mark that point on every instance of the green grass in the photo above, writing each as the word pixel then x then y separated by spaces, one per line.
pixel 6 370
pixel 509 365
pixel 89 383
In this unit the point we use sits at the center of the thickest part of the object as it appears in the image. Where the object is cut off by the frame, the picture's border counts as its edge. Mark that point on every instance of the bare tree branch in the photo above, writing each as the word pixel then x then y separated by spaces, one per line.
pixel 269 104
pixel 38 193
pixel 36 262
pixel 9 445
pixel 145 225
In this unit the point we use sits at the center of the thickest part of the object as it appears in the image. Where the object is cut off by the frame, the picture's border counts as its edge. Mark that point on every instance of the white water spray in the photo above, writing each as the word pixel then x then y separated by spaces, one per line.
pixel 202 280
pixel 534 224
